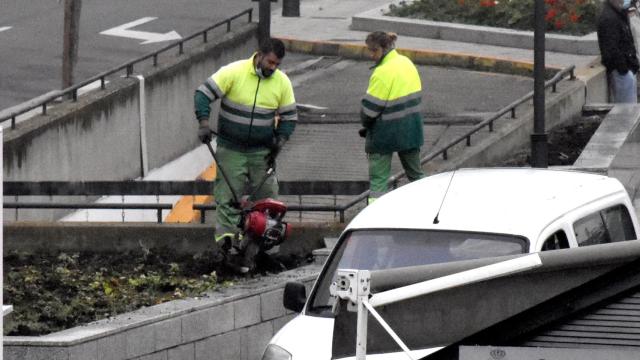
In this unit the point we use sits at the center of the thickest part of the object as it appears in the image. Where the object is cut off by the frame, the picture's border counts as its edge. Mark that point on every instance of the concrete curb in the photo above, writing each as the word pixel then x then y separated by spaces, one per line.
pixel 418 56
pixel 372 20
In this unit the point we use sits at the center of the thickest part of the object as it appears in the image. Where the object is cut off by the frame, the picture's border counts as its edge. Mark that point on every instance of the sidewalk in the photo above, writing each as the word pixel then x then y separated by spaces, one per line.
pixel 330 20
pixel 323 152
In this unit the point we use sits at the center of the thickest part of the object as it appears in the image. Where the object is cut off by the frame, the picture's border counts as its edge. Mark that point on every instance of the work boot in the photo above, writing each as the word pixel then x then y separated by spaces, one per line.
pixel 236 245
pixel 221 250
pixel 230 249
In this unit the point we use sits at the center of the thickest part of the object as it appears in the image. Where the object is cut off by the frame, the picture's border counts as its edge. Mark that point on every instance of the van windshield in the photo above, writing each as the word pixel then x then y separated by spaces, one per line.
pixel 387 249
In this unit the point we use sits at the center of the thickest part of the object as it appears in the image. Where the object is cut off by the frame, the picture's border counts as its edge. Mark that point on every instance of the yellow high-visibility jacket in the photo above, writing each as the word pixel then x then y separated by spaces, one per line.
pixel 248 106
pixel 391 108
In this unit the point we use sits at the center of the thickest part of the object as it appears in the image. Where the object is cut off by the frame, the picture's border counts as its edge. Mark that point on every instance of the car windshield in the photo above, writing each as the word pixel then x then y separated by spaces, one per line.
pixel 388 249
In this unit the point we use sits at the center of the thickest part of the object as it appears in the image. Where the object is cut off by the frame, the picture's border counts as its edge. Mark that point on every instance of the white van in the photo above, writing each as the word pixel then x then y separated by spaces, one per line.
pixel 460 215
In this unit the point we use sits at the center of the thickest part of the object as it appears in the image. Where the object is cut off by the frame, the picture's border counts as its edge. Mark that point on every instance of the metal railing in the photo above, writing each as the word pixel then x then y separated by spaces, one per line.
pixel 393 180
pixel 160 188
pixel 313 189
pixel 75 206
pixel 99 188
pixel 72 91
pixel 511 108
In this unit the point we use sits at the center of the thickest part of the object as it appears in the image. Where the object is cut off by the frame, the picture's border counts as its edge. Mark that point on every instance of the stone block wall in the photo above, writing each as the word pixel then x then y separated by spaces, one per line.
pixel 230 324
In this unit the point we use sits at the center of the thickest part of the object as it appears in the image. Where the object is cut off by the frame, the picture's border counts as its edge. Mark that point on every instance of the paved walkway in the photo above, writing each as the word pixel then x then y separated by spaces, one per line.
pixel 334 152
pixel 330 20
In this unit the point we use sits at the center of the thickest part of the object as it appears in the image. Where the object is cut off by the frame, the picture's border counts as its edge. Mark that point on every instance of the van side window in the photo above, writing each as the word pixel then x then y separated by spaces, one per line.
pixel 609 225
pixel 556 241
pixel 618 223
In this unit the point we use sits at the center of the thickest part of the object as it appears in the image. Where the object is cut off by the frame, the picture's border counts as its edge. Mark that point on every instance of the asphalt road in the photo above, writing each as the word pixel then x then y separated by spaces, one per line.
pixel 31 35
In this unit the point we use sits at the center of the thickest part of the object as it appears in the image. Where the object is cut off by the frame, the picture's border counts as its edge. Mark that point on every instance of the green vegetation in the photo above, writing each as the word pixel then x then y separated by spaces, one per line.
pixel 55 292
pixel 574 17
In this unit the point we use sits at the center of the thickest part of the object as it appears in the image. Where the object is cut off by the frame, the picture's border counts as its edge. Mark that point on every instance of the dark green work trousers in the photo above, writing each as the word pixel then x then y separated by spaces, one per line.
pixel 245 171
pixel 380 170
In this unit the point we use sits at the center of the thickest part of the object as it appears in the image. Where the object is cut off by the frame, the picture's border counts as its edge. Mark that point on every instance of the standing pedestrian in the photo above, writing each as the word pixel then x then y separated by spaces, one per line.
pixel 390 113
pixel 257 116
pixel 618 51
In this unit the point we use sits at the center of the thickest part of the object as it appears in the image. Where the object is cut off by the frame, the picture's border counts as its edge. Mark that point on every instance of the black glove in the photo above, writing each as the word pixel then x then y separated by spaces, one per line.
pixel 275 148
pixel 362 132
pixel 204 132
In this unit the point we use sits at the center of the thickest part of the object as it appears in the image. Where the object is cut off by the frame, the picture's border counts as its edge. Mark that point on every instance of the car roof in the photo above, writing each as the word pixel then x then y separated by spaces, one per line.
pixel 517 201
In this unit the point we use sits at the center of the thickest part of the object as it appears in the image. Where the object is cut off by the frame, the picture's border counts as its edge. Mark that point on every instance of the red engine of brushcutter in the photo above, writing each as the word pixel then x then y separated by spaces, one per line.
pixel 263 220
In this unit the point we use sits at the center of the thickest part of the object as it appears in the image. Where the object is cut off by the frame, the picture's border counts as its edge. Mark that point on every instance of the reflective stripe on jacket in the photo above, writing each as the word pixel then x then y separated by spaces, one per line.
pixel 249 105
pixel 391 108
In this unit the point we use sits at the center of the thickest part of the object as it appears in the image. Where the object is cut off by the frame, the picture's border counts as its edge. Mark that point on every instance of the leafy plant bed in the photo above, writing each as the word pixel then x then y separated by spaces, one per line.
pixel 573 17
pixel 565 144
pixel 50 293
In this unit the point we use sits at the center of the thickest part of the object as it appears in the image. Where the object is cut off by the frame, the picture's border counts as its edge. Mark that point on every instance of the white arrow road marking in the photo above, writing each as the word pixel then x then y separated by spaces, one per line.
pixel 3 28
pixel 148 37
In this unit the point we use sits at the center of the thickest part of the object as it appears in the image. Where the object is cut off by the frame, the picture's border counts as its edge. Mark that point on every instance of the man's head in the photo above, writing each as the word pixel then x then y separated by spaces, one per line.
pixel 269 57
pixel 379 43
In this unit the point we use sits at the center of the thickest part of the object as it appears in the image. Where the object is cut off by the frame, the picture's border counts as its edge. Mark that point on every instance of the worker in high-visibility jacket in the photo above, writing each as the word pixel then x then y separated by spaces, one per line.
pixel 390 114
pixel 257 116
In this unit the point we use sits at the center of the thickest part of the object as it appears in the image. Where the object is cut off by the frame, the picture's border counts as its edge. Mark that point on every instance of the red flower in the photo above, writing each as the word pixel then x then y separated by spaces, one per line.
pixel 573 17
pixel 559 24
pixel 551 14
pixel 487 3
pixel 461 2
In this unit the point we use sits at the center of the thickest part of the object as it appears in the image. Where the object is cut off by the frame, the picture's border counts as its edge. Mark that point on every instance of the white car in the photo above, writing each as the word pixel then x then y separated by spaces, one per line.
pixel 460 215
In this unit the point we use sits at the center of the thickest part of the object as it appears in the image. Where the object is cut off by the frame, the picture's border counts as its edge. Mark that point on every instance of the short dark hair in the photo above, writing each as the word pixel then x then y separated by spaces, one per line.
pixel 272 45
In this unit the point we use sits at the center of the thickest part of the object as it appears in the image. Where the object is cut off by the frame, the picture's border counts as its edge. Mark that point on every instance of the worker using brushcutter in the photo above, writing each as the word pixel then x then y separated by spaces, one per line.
pixel 254 93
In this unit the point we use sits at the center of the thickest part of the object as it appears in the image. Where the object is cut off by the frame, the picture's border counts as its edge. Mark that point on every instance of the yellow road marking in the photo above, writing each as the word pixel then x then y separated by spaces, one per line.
pixel 182 211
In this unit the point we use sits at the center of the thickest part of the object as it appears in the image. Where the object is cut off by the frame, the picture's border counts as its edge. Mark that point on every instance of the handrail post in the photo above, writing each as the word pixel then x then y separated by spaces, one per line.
pixel 159 210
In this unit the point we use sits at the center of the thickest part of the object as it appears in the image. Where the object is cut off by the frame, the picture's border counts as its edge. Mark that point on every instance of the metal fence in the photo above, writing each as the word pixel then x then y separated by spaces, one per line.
pixel 297 188
pixel 511 108
pixel 330 190
pixel 72 91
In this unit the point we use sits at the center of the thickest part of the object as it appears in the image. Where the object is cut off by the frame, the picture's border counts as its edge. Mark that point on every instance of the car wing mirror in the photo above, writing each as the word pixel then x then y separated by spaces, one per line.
pixel 294 297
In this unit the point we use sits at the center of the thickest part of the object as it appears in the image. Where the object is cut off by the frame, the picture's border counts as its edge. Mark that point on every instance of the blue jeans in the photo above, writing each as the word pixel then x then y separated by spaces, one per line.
pixel 623 87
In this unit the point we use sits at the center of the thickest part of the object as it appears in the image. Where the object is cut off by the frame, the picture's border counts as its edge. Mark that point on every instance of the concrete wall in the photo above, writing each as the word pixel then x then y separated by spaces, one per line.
pixel 53 237
pixel 98 137
pixel 613 149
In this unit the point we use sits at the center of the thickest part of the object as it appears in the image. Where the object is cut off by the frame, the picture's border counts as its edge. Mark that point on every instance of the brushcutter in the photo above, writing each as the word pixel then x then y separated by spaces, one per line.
pixel 261 222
